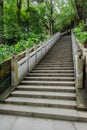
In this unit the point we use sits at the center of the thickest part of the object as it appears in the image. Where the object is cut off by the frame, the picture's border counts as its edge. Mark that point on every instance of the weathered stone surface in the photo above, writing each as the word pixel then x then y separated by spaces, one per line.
pixel 79 71
pixel 14 71
pixel 5 75
pixel 81 98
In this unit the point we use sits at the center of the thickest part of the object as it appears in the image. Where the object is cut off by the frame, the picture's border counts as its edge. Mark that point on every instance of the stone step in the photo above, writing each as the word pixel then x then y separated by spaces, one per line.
pixel 47 95
pixel 61 57
pixel 52 71
pixel 52 74
pixel 50 65
pixel 56 62
pixel 51 83
pixel 46 88
pixel 50 78
pixel 65 59
pixel 50 60
pixel 61 63
pixel 53 68
pixel 42 102
pixel 43 112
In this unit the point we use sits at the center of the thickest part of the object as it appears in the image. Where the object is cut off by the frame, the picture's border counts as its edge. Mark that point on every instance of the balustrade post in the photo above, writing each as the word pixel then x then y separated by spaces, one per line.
pixel 41 50
pixel 14 70
pixel 79 69
pixel 35 49
pixel 49 45
pixel 27 58
pixel 45 48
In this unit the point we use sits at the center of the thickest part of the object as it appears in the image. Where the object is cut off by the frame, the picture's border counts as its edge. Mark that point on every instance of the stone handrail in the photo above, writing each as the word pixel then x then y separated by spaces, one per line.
pixel 78 61
pixel 84 52
pixel 19 68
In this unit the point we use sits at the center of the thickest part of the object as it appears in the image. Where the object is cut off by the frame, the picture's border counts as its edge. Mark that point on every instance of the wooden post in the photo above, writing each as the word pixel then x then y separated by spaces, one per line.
pixel 14 70
pixel 27 58
pixel 79 69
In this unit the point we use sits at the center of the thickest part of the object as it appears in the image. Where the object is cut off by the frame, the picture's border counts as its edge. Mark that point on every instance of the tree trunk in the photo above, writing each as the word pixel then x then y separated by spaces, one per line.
pixel 19 6
pixel 51 18
pixel 1 21
pixel 79 9
pixel 28 2
pixel 27 23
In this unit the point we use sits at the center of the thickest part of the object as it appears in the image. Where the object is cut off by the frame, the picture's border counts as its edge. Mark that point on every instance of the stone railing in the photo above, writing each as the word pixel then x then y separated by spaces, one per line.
pixel 20 68
pixel 78 61
pixel 13 70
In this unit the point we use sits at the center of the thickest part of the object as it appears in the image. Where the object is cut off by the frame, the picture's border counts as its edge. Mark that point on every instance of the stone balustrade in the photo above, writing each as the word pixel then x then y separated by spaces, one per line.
pixel 20 68
pixel 78 61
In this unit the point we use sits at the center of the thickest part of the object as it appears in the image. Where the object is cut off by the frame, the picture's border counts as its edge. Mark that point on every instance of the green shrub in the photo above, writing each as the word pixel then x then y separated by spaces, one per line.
pixel 6 50
pixel 82 25
pixel 80 32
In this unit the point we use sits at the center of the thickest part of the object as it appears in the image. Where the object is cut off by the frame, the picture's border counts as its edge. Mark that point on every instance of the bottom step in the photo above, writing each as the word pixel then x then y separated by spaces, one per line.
pixel 42 102
pixel 43 112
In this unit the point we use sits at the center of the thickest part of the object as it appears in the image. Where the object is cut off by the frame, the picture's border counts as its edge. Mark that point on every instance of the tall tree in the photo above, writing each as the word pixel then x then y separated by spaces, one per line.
pixel 28 2
pixel 78 9
pixel 81 6
pixel 51 18
pixel 19 6
pixel 27 13
pixel 1 20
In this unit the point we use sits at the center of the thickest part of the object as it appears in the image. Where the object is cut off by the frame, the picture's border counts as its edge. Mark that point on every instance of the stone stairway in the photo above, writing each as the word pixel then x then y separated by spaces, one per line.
pixel 48 91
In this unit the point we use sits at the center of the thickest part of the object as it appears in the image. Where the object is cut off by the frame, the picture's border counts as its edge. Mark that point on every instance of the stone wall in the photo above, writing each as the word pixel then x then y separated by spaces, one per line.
pixel 5 75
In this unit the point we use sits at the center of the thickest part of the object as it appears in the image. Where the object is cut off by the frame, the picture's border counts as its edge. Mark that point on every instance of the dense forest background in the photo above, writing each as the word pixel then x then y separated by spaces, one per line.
pixel 25 22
